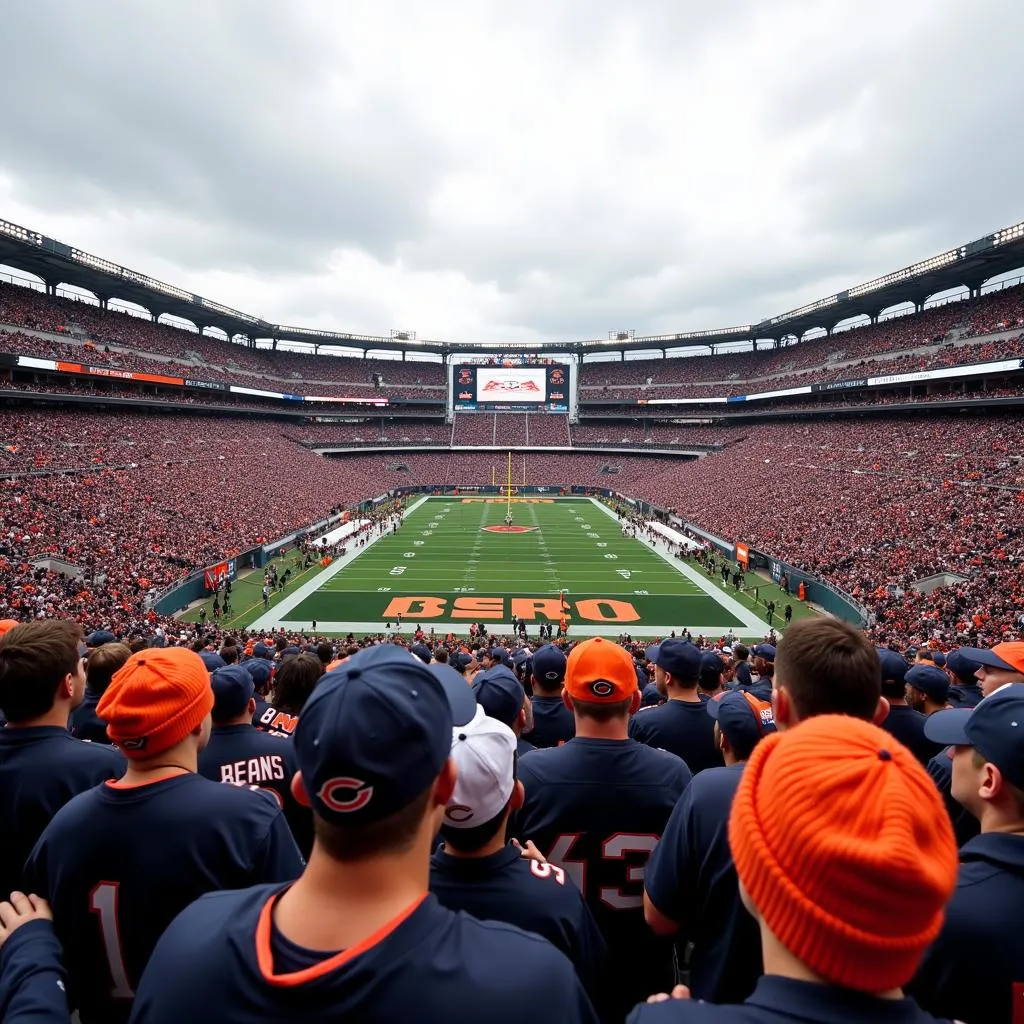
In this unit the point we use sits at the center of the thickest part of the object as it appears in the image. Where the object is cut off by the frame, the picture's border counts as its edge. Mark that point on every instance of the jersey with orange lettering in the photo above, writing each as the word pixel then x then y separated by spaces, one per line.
pixel 276 722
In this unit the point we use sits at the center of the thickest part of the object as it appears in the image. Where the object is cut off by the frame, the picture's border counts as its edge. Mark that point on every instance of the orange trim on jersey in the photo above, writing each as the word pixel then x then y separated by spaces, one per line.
pixel 121 784
pixel 265 956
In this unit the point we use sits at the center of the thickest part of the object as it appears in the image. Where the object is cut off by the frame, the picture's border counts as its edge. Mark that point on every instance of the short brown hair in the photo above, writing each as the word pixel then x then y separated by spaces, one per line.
pixel 103 663
pixel 34 659
pixel 601 712
pixel 394 834
pixel 829 668
pixel 295 680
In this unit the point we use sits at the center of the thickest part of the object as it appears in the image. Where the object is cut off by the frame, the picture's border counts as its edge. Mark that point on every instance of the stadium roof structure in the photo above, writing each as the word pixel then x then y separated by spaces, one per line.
pixel 969 265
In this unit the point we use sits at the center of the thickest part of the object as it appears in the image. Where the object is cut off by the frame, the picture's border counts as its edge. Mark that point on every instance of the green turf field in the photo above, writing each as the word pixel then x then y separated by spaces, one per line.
pixel 445 568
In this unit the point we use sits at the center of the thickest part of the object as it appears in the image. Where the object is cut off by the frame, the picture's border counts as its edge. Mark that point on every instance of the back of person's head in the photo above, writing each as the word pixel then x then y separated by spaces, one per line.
pixel 373 745
pixel 894 671
pixel 102 664
pixel 486 791
pixel 824 666
pixel 600 681
pixel 325 652
pixel 229 654
pixel 441 655
pixel 740 652
pixel 548 669
pixel 295 680
pixel 844 851
pixel 35 660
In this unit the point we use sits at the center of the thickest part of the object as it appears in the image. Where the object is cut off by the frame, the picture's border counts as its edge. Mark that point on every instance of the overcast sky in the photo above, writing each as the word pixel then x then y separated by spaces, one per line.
pixel 512 171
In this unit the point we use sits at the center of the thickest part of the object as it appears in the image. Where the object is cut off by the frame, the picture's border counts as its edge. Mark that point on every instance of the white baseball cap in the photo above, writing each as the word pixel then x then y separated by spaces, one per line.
pixel 484 753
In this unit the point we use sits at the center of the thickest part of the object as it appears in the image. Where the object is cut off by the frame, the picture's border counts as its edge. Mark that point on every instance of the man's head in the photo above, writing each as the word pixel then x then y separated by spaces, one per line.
pixel 373 745
pixel 999 666
pixel 824 666
pixel 712 672
pixel 233 694
pixel 894 671
pixel 502 696
pixel 99 637
pixel 741 722
pixel 160 698
pixel 764 659
pixel 600 681
pixel 548 669
pixel 740 652
pixel 102 664
pixel 844 851
pixel 677 666
pixel 927 687
pixel 962 671
pixel 988 757
pixel 40 667
pixel 486 790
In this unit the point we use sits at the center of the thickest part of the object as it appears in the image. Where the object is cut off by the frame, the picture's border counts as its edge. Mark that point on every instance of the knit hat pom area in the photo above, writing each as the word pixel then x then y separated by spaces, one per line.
pixel 844 845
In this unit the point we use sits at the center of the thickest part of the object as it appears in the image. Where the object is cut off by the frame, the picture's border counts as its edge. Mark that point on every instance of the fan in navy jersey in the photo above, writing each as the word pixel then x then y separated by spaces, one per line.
pixel 964 691
pixel 650 695
pixel 261 671
pixel 596 807
pixel 478 871
pixel 121 860
pixel 903 721
pixel 502 696
pixel 764 667
pixel 296 676
pixel 358 937
pixel 846 861
pixel 690 887
pixel 553 723
pixel 42 766
pixel 680 725
pixel 241 755
pixel 101 664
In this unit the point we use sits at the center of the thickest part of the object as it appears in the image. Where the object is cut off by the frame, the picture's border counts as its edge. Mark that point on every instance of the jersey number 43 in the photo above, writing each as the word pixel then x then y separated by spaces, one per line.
pixel 617 847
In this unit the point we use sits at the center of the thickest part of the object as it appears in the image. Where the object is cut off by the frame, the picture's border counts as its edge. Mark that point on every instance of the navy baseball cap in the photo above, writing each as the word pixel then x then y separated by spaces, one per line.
pixel 373 736
pixel 289 651
pixel 995 728
pixel 711 667
pixel 930 680
pixel 962 666
pixel 680 659
pixel 500 655
pixel 766 651
pixel 651 653
pixel 939 658
pixel 520 657
pixel 459 693
pixel 1006 656
pixel 549 664
pixel 461 661
pixel 99 638
pixel 499 693
pixel 212 660
pixel 232 689
pixel 894 666
pixel 743 718
pixel 422 651
pixel 259 668
pixel 262 651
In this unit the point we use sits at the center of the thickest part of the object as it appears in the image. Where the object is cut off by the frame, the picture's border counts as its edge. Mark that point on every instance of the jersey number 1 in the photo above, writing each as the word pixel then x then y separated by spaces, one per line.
pixel 103 901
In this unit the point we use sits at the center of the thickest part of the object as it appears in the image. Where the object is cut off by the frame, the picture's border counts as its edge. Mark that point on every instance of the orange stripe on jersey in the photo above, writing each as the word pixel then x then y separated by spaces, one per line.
pixel 265 956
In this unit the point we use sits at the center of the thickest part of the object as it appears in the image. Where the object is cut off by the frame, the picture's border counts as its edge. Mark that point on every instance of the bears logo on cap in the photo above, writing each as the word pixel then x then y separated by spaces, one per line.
pixel 458 813
pixel 363 794
pixel 601 688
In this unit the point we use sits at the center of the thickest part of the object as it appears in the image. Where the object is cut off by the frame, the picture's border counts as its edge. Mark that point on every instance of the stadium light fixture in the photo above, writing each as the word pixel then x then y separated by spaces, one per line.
pixel 908 273
pixel 1010 234
pixel 621 335
pixel 397 335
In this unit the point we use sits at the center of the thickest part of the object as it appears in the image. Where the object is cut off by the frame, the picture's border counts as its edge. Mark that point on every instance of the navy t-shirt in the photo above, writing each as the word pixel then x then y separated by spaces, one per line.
pixel 224 959
pixel 778 1000
pixel 41 769
pixel 553 722
pixel 538 898
pixel 681 727
pixel 975 969
pixel 965 824
pixel 691 879
pixel 32 978
pixel 243 756
pixel 118 864
pixel 85 723
pixel 596 808
pixel 907 725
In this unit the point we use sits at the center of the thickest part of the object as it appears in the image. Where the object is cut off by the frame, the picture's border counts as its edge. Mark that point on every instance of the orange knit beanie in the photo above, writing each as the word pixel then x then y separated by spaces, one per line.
pixel 843 844
pixel 155 700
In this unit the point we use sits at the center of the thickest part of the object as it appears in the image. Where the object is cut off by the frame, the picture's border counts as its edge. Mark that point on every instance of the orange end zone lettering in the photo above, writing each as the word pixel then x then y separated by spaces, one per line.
pixel 415 607
pixel 606 610
pixel 484 607
pixel 532 608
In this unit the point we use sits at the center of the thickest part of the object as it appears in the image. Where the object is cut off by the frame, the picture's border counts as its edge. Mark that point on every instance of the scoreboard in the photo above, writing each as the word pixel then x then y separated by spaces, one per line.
pixel 511 388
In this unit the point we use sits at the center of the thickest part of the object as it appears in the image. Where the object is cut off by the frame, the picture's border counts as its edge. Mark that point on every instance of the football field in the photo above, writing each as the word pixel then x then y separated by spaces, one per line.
pixel 453 562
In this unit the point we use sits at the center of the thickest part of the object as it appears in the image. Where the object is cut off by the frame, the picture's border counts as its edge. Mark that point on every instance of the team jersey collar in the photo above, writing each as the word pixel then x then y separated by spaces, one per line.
pixel 827 1004
pixel 477 866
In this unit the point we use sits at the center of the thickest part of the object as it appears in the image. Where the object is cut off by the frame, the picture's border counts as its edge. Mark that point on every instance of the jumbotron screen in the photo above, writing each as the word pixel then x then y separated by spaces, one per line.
pixel 512 387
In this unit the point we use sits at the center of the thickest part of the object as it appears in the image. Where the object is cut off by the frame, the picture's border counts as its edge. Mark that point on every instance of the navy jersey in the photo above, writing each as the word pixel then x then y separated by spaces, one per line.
pixel 32 978
pixel 681 727
pixel 596 808
pixel 85 723
pixel 743 676
pixel 778 1000
pixel 243 756
pixel 907 725
pixel 761 688
pixel 224 959
pixel 651 696
pixel 523 747
pixel 275 721
pixel 118 864
pixel 975 970
pixel 553 723
pixel 691 879
pixel 41 769
pixel 535 897
pixel 965 824
pixel 964 695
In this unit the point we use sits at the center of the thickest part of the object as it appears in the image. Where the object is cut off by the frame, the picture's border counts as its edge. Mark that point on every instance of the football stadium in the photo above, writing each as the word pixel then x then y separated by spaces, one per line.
pixel 516 664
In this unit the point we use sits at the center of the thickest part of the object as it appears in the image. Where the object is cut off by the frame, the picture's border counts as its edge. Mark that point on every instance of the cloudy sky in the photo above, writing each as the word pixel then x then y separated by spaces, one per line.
pixel 512 171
